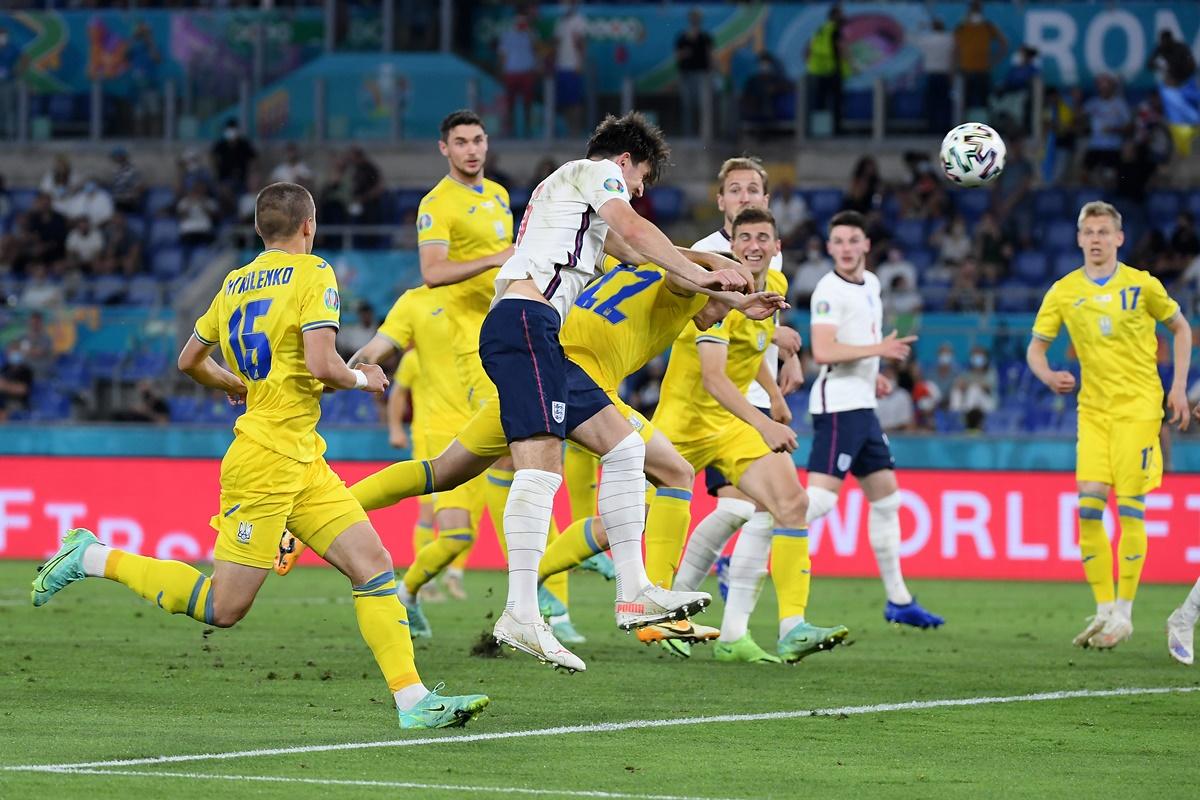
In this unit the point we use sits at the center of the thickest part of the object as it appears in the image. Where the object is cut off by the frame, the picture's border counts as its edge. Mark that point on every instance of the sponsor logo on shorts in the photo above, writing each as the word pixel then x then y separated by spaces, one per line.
pixel 245 531
pixel 558 411
pixel 843 462
pixel 332 301
pixel 636 422
pixel 613 185
pixel 424 222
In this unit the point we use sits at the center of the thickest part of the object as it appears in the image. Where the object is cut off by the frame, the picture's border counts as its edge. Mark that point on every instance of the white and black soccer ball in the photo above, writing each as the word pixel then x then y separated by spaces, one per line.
pixel 973 154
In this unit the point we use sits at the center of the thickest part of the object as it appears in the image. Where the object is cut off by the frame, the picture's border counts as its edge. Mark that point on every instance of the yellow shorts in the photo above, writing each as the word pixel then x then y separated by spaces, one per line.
pixel 1124 454
pixel 262 492
pixel 470 494
pixel 731 452
pixel 484 435
pixel 480 388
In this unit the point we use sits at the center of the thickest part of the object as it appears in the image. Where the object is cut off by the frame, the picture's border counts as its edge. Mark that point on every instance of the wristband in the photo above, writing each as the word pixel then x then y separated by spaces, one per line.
pixel 360 379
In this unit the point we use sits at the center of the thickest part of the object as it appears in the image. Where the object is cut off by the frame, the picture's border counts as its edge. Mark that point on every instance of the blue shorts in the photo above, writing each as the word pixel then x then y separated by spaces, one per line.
pixel 541 392
pixel 714 480
pixel 849 441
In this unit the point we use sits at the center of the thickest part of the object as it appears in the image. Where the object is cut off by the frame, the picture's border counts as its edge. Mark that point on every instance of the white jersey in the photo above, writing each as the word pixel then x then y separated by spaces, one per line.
pixel 561 235
pixel 856 310
pixel 718 242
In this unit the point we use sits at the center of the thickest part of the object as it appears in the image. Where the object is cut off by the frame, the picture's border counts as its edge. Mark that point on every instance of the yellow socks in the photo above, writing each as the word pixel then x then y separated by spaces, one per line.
pixel 422 535
pixel 394 483
pixel 579 473
pixel 495 493
pixel 436 556
pixel 791 570
pixel 573 546
pixel 666 529
pixel 173 586
pixel 1132 548
pixel 1095 549
pixel 383 623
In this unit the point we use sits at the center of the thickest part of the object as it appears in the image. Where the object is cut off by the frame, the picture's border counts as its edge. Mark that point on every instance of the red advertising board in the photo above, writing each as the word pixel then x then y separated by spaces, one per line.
pixel 1007 525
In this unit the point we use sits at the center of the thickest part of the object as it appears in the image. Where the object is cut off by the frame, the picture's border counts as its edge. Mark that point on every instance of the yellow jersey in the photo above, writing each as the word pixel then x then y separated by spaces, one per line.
pixel 421 319
pixel 259 317
pixel 624 319
pixel 686 411
pixel 408 376
pixel 1111 326
pixel 472 222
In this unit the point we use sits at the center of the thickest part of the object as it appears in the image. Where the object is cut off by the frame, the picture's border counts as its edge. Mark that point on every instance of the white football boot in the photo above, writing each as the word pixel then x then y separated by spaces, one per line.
pixel 537 639
pixel 655 604
pixel 1094 625
pixel 1179 638
pixel 1117 628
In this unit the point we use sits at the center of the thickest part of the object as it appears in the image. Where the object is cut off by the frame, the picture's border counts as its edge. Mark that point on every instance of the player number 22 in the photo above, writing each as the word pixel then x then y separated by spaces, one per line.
pixel 251 348
pixel 608 306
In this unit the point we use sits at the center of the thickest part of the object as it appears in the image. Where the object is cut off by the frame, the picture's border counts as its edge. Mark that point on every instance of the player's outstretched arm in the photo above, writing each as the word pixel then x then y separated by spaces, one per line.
pixel 374 351
pixel 1059 381
pixel 195 361
pixel 397 408
pixel 778 437
pixel 322 359
pixel 828 350
pixel 438 269
pixel 1177 400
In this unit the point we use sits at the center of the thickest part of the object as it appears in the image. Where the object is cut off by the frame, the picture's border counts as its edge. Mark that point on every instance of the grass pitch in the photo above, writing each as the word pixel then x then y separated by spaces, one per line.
pixel 98 675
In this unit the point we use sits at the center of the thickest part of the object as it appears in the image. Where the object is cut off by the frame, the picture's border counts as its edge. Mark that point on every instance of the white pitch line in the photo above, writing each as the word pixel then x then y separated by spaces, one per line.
pixel 468 790
pixel 610 727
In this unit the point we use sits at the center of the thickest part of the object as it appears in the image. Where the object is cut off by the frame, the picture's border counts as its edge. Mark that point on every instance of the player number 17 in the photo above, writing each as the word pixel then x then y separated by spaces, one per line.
pixel 1129 297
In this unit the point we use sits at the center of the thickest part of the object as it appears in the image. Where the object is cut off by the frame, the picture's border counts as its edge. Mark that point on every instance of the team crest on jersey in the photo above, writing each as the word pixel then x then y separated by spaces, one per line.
pixel 424 222
pixel 613 185
pixel 558 411
pixel 822 307
pixel 1106 326
pixel 245 531
pixel 843 462
pixel 332 301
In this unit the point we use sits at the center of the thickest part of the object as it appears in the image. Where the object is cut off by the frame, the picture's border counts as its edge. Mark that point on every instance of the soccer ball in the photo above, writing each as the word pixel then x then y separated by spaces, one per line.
pixel 973 154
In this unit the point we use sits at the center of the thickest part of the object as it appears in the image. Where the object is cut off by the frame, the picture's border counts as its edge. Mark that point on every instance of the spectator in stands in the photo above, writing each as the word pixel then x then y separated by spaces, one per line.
pixel 936 46
pixel 974 394
pixel 12 65
pixel 1011 195
pixel 91 201
pixel 190 170
pixel 125 185
pixel 497 173
pixel 965 294
pixel 1015 94
pixel 865 187
pixel 925 394
pixel 925 197
pixel 1062 124
pixel 1109 121
pixel 197 215
pixel 974 39
pixel 232 156
pixel 122 252
pixel 946 372
pixel 952 242
pixel 1185 244
pixel 84 245
pixel 570 54
pixel 16 380
pixel 37 342
pixel 61 182
pixel 293 168
pixel 762 94
pixel 148 405
pixel 144 58
pixel 693 60
pixel 791 215
pixel 353 337
pixel 893 265
pixel 895 408
pixel 902 304
pixel 989 246
pixel 40 291
pixel 1172 60
pixel 516 49
pixel 5 199
pixel 47 232
pixel 1151 131
pixel 541 171
pixel 826 66
pixel 355 191
pixel 810 270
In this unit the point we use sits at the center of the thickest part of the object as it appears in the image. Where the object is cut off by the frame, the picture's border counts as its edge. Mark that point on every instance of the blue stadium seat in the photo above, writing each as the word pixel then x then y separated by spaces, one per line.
pixel 71 373
pixel 921 258
pixel 159 199
pixel 1004 421
pixel 137 226
pixel 145 365
pixel 1050 203
pixel 1085 196
pixel 668 202
pixel 906 104
pixel 407 201
pixel 144 291
pixel 167 262
pixel 824 203
pixel 104 365
pixel 1163 205
pixel 971 203
pixel 1012 295
pixel 1059 235
pixel 199 257
pixel 164 231
pixel 858 104
pixel 107 290
pixel 910 233
pixel 1031 268
pixel 22 199
pixel 48 405
pixel 1066 262
pixel 1192 204
pixel 183 408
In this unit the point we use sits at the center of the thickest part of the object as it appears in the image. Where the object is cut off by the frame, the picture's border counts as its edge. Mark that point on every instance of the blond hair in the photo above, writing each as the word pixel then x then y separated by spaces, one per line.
pixel 1099 208
pixel 741 163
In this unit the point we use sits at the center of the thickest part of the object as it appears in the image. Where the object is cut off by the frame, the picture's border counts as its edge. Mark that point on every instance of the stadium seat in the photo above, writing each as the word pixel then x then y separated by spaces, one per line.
pixel 105 366
pixel 71 373
pixel 145 365
pixel 1163 206
pixel 406 201
pixel 198 258
pixel 1050 203
pixel 910 233
pixel 167 262
pixel 1192 204
pixel 164 231
pixel 1060 235
pixel 182 408
pixel 22 199
pixel 1030 267
pixel 1012 295
pixel 824 203
pixel 971 203
pixel 906 104
pixel 668 202
pixel 1085 196
pixel 1065 263
pixel 48 405
pixel 920 257
pixel 159 199
pixel 107 290
pixel 144 291
pixel 518 198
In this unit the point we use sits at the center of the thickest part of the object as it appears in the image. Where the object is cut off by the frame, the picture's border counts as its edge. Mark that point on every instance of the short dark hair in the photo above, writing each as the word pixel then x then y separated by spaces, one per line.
pixel 280 209
pixel 852 219
pixel 633 134
pixel 751 215
pixel 464 116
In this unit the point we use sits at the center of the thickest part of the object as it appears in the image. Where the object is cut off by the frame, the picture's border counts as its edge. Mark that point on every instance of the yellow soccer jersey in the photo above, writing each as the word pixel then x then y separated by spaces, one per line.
pixel 421 319
pixel 624 319
pixel 259 317
pixel 686 411
pixel 472 223
pixel 1112 329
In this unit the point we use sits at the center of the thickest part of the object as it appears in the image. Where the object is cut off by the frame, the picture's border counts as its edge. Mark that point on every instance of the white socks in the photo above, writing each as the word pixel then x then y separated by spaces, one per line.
pixel 621 501
pixel 820 502
pixel 1125 608
pixel 708 539
pixel 94 559
pixel 1190 610
pixel 787 623
pixel 747 570
pixel 526 526
pixel 883 527
pixel 409 696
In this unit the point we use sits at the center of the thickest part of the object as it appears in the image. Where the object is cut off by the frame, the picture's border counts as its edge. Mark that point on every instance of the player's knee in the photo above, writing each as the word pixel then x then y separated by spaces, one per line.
pixel 629 452
pixel 790 510
pixel 599 534
pixel 678 473
pixel 886 505
pixel 820 502
pixel 228 615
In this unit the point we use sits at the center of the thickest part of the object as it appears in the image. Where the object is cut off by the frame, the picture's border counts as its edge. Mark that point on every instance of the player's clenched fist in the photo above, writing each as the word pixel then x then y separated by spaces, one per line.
pixel 376 380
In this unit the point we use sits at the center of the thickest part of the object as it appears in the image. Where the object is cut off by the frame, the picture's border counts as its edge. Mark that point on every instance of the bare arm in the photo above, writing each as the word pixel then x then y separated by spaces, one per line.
pixel 374 351
pixel 195 361
pixel 713 356
pixel 616 246
pixel 322 359
pixel 397 408
pixel 1182 350
pixel 1059 381
pixel 779 407
pixel 828 350
pixel 438 269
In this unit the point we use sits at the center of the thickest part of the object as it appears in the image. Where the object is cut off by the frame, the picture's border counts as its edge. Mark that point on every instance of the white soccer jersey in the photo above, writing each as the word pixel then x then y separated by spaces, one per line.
pixel 561 234
pixel 856 310
pixel 718 242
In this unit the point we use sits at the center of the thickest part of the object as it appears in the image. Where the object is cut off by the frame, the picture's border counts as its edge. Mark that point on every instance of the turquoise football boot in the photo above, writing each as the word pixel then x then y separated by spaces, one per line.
pixel 805 639
pixel 418 623
pixel 549 605
pixel 64 568
pixel 437 711
pixel 600 563
pixel 566 633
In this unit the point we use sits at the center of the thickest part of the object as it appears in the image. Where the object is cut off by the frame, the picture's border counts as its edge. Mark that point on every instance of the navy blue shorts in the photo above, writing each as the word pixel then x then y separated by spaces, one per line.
pixel 714 479
pixel 849 441
pixel 541 392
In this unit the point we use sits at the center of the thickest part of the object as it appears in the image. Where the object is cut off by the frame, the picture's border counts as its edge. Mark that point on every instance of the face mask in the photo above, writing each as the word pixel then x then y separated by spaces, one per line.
pixel 978 361
pixel 946 359
pixel 230 134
